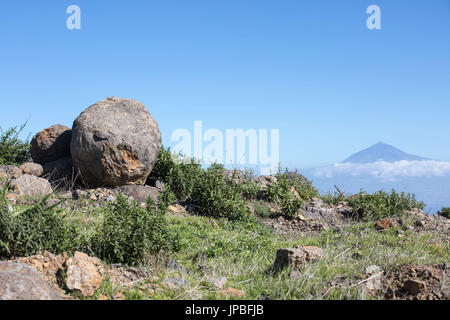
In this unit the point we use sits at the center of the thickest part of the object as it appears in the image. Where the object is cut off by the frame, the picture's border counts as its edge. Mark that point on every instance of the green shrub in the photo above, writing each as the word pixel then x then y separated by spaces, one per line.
pixel 283 193
pixel 13 151
pixel 445 212
pixel 213 196
pixel 262 210
pixel 381 204
pixel 178 175
pixel 132 235
pixel 35 229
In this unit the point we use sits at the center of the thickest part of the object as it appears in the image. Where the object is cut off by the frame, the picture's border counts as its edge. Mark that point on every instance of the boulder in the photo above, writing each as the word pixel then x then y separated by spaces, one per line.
pixel 264 181
pixel 296 257
pixel 32 186
pixel 234 176
pixel 115 142
pixel 140 193
pixel 84 274
pixel 51 144
pixel 19 281
pixel 34 169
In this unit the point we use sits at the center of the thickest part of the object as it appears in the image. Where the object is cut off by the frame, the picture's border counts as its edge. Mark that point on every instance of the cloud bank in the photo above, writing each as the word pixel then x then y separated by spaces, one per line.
pixel 387 171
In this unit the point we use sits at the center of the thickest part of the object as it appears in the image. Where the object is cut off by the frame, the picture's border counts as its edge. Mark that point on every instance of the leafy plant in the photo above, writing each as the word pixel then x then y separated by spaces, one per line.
pixel 131 235
pixel 445 212
pixel 177 174
pixel 212 195
pixel 290 192
pixel 381 204
pixel 35 229
pixel 13 151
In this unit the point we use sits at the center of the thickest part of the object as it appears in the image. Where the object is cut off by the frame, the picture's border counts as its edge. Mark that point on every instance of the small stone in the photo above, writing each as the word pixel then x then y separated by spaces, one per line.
pixel 175 283
pixel 32 186
pixel 296 257
pixel 371 270
pixel 84 274
pixel 217 282
pixel 93 197
pixel 231 292
pixel 386 223
pixel 34 169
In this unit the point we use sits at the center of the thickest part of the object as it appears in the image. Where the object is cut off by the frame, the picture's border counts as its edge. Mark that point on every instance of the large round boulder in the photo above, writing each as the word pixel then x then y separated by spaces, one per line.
pixel 51 144
pixel 115 142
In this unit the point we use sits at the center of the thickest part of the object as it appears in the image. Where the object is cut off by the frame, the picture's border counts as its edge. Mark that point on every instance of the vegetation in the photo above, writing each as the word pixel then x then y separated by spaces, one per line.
pixel 445 212
pixel 131 235
pixel 213 196
pixel 379 205
pixel 33 229
pixel 290 193
pixel 13 151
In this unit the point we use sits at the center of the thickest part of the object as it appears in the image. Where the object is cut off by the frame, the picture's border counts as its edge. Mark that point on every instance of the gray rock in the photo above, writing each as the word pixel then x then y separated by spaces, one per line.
pixel 218 282
pixel 115 142
pixel 296 257
pixel 175 283
pixel 235 176
pixel 140 193
pixel 19 281
pixel 32 186
pixel 51 144
pixel 35 169
pixel 9 172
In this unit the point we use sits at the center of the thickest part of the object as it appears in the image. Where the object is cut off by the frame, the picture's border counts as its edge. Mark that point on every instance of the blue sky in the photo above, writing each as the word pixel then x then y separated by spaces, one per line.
pixel 309 68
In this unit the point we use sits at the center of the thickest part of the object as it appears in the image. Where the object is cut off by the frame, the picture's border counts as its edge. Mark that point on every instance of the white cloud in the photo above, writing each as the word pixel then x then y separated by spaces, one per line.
pixel 387 171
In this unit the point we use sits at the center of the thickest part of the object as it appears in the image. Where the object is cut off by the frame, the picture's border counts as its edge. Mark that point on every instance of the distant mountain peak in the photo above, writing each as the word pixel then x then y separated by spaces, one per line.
pixel 381 152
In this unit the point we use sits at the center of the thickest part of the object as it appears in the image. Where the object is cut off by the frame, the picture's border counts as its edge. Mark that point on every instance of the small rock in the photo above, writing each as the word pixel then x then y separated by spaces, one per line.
pixel 371 270
pixel 140 193
pixel 231 292
pixel 217 282
pixel 175 283
pixel 386 223
pixel 32 186
pixel 33 169
pixel 84 274
pixel 296 257
pixel 9 172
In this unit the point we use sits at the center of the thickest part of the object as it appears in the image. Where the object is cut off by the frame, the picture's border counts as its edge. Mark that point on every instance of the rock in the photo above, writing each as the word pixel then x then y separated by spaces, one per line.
pixel 264 181
pixel 12 198
pixel 140 193
pixel 19 281
pixel 51 144
pixel 231 292
pixel 80 194
pixel 31 186
pixel 414 287
pixel 60 169
pixel 372 270
pixel 234 176
pixel 34 169
pixel 84 274
pixel 175 283
pixel 115 142
pixel 386 223
pixel 298 177
pixel 296 257
pixel 219 282
pixel 46 264
pixel 9 172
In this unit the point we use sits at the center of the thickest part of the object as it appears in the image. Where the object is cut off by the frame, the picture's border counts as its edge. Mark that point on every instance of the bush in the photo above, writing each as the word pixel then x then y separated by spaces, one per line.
pixel 380 205
pixel 13 151
pixel 131 235
pixel 33 230
pixel 283 193
pixel 178 176
pixel 213 196
pixel 445 212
